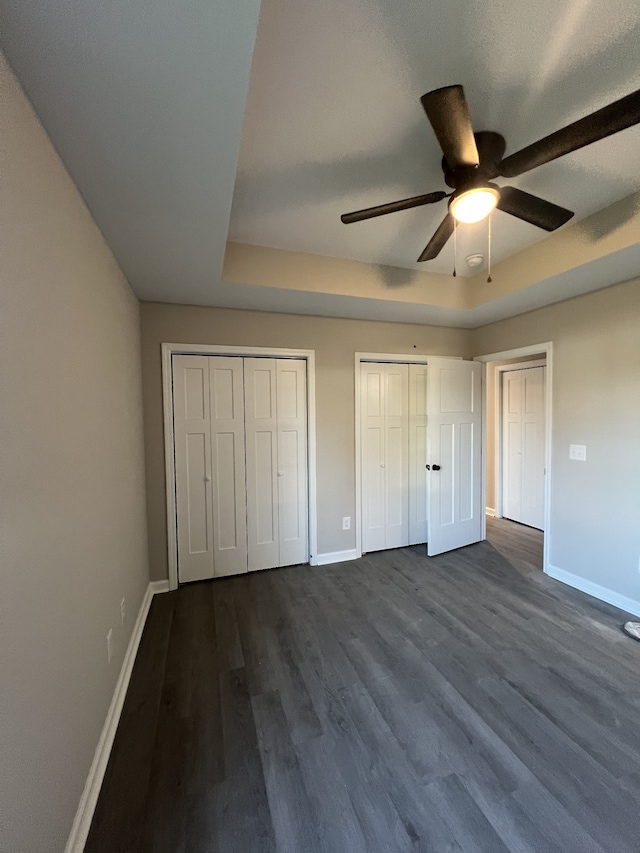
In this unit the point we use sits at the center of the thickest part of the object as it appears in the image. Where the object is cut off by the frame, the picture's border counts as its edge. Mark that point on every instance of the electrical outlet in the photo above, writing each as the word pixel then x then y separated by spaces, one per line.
pixel 346 522
pixel 578 452
pixel 109 645
pixel 122 611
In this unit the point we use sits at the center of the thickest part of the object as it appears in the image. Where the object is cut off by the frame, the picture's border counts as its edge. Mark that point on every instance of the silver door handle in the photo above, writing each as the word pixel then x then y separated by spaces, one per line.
pixel 207 479
pixel 280 474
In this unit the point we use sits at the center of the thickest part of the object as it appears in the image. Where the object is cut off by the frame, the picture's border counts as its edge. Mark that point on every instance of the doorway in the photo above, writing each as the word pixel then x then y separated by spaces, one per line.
pixel 517 442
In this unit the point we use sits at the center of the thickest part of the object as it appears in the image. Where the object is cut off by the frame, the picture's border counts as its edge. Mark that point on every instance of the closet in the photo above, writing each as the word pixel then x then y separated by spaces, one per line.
pixel 420 431
pixel 240 450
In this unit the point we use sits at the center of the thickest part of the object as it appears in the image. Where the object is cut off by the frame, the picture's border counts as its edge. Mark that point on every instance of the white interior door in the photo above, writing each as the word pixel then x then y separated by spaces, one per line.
pixel 418 517
pixel 192 436
pixel 291 415
pixel 228 466
pixel 384 455
pixel 523 445
pixel 454 410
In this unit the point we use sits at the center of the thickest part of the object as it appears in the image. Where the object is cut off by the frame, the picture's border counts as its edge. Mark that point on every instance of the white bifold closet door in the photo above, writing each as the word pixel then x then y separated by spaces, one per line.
pixel 276 436
pixel 210 466
pixel 393 453
pixel 240 429
pixel 523 445
pixel 385 468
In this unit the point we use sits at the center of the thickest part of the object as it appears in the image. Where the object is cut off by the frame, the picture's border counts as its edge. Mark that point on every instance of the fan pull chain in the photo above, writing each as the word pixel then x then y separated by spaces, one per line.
pixel 489 279
pixel 455 245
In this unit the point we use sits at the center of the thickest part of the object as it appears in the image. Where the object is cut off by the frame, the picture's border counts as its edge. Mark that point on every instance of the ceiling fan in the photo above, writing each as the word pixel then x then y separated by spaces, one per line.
pixel 472 160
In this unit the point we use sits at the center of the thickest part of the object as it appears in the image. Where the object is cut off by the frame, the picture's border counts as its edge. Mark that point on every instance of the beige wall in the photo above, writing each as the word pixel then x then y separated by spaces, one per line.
pixel 72 485
pixel 595 505
pixel 334 342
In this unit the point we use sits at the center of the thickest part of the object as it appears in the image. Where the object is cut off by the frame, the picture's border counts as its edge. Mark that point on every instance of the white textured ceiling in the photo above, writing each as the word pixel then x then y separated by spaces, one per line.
pixel 145 100
pixel 334 121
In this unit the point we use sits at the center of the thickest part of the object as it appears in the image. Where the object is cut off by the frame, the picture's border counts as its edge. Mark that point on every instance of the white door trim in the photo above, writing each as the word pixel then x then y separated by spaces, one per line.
pixel 168 350
pixel 505 355
pixel 384 357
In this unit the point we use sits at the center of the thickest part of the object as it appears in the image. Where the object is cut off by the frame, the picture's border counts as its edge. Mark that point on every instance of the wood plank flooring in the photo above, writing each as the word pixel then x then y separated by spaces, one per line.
pixel 522 546
pixel 393 703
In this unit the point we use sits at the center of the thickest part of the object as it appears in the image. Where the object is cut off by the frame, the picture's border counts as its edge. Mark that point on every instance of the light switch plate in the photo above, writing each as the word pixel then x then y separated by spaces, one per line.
pixel 578 452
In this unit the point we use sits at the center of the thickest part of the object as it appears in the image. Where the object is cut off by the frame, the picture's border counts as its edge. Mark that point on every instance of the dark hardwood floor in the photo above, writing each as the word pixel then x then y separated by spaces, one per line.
pixel 393 703
pixel 521 545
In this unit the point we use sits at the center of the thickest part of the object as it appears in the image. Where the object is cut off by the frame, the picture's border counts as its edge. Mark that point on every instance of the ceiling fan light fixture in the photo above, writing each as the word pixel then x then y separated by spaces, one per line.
pixel 475 204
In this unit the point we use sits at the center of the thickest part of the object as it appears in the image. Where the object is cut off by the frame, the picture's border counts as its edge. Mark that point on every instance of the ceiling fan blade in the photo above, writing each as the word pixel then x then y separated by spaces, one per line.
pixel 605 122
pixel 392 207
pixel 448 113
pixel 436 243
pixel 532 209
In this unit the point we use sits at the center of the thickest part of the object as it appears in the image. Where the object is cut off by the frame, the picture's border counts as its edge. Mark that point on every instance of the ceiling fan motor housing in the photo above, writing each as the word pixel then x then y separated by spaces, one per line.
pixel 491 147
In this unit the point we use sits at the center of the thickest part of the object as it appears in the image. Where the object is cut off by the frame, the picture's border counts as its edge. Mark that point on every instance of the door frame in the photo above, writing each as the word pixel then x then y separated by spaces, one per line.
pixel 500 369
pixel 168 351
pixel 505 355
pixel 385 358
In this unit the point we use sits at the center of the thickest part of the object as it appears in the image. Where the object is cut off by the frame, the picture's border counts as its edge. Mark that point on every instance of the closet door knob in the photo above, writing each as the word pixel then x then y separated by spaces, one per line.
pixel 207 479
pixel 279 473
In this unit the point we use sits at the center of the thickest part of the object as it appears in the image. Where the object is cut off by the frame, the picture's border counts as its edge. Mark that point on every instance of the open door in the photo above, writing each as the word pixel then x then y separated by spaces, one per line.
pixel 454 463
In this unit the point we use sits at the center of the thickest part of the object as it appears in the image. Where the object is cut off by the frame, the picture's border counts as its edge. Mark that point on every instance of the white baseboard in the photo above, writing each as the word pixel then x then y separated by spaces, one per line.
pixel 84 815
pixel 335 557
pixel 594 589
pixel 490 511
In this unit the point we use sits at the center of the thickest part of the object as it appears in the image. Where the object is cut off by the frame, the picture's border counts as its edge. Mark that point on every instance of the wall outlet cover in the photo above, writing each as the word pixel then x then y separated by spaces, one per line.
pixel 578 452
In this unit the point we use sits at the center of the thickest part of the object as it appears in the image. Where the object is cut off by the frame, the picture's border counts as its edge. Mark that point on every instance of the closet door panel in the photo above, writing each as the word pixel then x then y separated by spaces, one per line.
pixel 418 527
pixel 262 457
pixel 192 438
pixel 384 459
pixel 372 392
pixel 228 465
pixel 291 394
pixel 396 460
